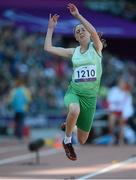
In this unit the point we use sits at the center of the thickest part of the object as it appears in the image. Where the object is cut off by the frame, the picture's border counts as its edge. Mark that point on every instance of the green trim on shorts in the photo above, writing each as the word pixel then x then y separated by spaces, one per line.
pixel 87 108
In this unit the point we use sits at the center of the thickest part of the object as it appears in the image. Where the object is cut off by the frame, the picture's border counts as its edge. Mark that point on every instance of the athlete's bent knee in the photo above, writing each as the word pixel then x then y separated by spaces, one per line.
pixel 74 111
pixel 82 140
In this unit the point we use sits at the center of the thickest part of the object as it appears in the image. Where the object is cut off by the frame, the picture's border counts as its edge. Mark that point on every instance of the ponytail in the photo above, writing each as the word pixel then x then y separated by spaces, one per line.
pixel 102 40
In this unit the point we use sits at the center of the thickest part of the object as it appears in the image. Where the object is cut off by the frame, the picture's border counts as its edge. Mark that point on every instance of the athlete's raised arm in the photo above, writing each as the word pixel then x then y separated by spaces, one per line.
pixel 64 52
pixel 89 27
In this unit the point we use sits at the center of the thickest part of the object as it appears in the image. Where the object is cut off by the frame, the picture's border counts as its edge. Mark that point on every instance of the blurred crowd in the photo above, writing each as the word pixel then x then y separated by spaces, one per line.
pixel 47 76
pixel 22 55
pixel 124 9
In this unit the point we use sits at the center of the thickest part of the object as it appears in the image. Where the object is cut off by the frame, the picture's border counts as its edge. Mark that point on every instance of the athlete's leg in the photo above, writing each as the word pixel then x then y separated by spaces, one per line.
pixel 73 113
pixel 71 101
pixel 82 136
pixel 85 119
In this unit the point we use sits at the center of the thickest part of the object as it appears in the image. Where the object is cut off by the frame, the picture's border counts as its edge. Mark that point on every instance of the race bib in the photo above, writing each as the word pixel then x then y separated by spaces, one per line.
pixel 85 73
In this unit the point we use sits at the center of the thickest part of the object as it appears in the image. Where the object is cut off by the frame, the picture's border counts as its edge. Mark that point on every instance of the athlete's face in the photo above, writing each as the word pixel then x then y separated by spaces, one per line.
pixel 81 33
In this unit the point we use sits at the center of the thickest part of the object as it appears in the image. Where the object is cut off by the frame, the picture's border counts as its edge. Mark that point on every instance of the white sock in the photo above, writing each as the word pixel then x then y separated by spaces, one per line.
pixel 67 139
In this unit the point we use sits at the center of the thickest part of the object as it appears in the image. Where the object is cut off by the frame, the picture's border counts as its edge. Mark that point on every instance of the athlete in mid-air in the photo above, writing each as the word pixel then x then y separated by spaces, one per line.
pixel 81 96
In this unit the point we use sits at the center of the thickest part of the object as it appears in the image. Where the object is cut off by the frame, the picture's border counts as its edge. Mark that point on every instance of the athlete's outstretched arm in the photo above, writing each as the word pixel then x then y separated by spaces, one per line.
pixel 48 39
pixel 90 28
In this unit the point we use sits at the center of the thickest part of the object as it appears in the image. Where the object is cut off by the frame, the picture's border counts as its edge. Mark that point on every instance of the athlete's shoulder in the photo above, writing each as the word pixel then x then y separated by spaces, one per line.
pixel 91 46
pixel 76 49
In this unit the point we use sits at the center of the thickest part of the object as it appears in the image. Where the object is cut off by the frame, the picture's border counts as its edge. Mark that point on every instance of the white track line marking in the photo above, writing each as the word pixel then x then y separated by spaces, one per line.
pixel 12 149
pixel 109 168
pixel 29 156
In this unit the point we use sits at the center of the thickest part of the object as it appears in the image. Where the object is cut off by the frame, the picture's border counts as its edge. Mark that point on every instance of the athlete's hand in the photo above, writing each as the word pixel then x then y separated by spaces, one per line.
pixel 53 20
pixel 73 10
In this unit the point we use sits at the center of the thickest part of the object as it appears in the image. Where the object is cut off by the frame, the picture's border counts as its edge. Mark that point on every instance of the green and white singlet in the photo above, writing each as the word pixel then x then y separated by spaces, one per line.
pixel 84 87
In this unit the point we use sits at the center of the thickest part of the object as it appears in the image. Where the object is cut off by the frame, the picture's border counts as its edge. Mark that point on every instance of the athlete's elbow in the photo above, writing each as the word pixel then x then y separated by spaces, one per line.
pixel 47 48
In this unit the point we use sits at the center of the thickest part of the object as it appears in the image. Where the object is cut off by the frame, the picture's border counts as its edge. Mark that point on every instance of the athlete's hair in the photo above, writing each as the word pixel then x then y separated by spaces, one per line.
pixel 102 40
pixel 100 34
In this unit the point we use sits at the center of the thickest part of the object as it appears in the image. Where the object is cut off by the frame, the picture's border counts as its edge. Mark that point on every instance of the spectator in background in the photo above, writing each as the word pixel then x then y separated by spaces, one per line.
pixel 120 105
pixel 19 99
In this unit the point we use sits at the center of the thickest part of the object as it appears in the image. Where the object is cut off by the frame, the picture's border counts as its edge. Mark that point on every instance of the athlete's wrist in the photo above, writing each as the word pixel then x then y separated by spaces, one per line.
pixel 78 16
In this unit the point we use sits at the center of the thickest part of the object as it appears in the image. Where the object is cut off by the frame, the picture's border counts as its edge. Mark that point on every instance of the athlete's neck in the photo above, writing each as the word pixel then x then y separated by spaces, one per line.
pixel 84 47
